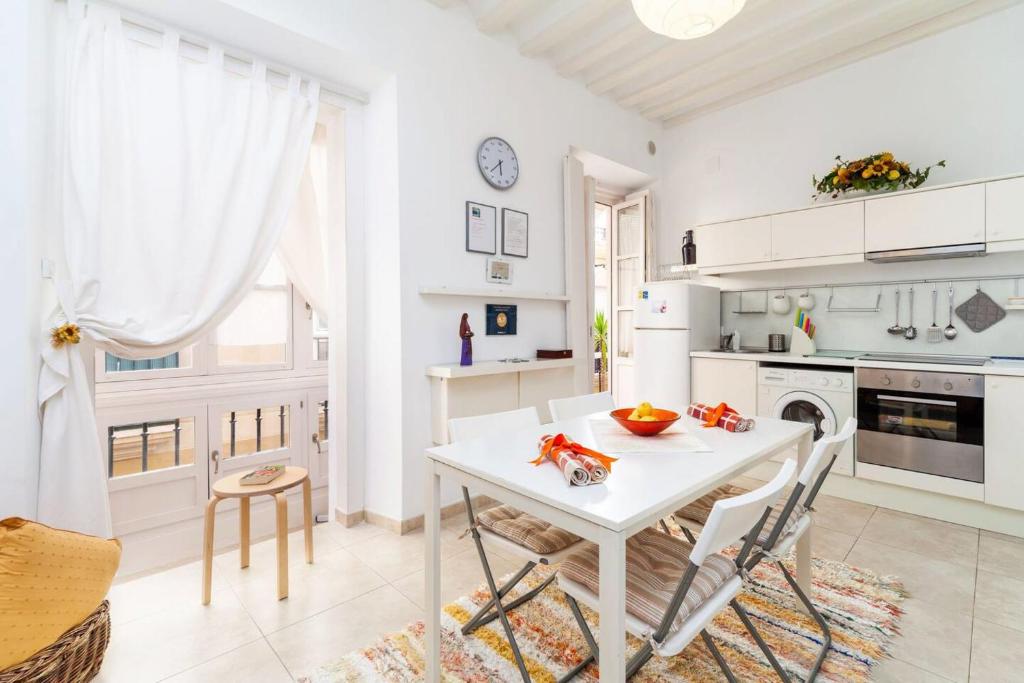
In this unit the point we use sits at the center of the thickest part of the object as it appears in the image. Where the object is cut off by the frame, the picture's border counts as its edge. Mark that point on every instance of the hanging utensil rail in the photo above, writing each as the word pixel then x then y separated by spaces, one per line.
pixel 876 283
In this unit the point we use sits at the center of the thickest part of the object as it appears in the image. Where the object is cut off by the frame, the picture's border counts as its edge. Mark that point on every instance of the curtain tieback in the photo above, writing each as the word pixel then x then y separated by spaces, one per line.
pixel 68 333
pixel 54 373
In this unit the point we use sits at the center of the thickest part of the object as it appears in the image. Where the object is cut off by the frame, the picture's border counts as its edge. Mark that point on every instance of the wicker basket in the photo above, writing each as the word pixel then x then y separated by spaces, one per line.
pixel 74 658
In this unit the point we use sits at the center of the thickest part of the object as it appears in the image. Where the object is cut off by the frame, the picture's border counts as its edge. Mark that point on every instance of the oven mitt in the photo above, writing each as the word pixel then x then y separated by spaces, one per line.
pixel 980 312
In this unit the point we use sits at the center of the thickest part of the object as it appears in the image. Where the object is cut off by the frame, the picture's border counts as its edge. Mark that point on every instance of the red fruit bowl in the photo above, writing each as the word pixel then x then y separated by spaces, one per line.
pixel 664 420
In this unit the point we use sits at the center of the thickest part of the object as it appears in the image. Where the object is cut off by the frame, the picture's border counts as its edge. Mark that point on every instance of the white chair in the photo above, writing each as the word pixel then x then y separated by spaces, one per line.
pixel 508 530
pixel 466 428
pixel 788 522
pixel 578 406
pixel 705 582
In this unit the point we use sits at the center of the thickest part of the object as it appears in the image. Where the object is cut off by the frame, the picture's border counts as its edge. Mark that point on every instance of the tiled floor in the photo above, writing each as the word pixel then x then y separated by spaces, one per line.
pixel 964 621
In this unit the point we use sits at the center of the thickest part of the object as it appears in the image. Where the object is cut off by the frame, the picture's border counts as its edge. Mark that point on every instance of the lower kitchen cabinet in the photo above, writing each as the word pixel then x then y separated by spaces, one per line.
pixel 714 380
pixel 1004 456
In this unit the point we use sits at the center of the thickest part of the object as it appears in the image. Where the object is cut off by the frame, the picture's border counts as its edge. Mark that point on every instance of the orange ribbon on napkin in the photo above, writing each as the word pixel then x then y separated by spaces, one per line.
pixel 722 415
pixel 579 464
pixel 551 446
pixel 716 414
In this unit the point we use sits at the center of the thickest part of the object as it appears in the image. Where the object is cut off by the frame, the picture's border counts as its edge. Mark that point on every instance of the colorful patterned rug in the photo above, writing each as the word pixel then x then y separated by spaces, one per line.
pixel 863 610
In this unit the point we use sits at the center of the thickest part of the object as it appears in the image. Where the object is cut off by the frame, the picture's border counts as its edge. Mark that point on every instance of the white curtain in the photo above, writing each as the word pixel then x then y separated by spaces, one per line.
pixel 176 182
pixel 303 245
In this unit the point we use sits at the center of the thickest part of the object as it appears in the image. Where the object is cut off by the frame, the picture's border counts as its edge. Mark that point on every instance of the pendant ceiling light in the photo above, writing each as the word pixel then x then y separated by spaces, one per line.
pixel 686 19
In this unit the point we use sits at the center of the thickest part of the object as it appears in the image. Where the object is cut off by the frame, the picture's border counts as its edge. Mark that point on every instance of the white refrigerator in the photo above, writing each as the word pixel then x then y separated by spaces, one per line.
pixel 672 318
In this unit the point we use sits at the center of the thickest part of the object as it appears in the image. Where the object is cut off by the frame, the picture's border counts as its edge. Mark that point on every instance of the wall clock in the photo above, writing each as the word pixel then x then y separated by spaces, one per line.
pixel 498 163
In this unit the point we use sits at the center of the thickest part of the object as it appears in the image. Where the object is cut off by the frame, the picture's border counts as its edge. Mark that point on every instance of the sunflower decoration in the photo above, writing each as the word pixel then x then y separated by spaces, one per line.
pixel 878 172
pixel 68 333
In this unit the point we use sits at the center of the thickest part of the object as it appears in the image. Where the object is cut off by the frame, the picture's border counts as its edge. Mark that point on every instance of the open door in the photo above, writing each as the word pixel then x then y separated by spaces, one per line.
pixel 629 270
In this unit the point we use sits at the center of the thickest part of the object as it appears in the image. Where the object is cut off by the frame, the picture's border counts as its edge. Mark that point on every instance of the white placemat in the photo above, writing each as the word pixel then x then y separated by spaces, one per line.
pixel 613 438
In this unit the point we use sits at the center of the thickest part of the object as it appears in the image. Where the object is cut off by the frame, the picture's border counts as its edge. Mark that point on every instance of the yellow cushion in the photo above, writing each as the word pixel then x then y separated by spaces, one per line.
pixel 50 581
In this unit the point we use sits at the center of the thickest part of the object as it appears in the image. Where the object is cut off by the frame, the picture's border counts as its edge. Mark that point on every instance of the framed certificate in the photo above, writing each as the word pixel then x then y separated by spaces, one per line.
pixel 481 228
pixel 515 233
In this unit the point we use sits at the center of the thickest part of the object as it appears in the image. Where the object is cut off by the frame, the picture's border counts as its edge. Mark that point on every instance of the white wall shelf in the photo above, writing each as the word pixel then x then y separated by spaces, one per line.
pixel 496 367
pixel 494 386
pixel 492 294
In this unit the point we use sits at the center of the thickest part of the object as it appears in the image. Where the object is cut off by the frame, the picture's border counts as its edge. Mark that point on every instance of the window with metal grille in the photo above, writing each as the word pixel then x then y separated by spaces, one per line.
pixel 245 432
pixel 151 445
pixel 322 412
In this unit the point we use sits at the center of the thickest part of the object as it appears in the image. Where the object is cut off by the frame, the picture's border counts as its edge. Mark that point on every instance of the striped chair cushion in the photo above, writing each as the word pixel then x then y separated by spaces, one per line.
pixel 655 564
pixel 698 511
pixel 526 530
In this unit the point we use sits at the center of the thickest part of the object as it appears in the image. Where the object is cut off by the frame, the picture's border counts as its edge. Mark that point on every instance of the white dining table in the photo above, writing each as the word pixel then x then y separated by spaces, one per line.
pixel 642 489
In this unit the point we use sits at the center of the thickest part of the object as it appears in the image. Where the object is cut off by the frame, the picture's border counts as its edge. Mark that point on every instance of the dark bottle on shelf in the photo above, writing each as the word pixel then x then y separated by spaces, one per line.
pixel 689 249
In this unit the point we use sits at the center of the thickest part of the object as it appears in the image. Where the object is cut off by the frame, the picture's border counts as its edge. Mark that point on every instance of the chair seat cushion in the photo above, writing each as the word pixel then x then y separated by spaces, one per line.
pixel 655 564
pixel 50 580
pixel 698 511
pixel 526 530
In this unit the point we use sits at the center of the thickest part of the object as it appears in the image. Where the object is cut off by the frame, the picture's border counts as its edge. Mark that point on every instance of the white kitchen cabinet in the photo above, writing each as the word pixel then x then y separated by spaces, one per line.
pixel 822 231
pixel 734 242
pixel 953 215
pixel 1004 457
pixel 1004 210
pixel 714 380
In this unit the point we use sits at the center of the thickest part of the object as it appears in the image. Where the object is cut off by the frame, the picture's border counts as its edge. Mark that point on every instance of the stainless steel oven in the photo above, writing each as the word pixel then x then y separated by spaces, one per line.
pixel 930 422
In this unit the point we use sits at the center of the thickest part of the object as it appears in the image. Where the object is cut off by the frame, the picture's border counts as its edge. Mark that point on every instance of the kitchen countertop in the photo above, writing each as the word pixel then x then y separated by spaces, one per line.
pixel 1010 368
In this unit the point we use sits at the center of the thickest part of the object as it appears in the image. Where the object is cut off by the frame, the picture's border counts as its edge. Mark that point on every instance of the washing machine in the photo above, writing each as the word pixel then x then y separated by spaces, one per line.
pixel 822 397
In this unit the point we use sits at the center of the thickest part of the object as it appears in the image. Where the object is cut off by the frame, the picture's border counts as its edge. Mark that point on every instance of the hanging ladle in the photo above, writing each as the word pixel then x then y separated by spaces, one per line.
pixel 896 328
pixel 911 332
pixel 950 332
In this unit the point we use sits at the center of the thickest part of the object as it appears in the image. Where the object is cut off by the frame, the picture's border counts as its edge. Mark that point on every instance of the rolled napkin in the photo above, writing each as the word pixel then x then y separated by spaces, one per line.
pixel 580 465
pixel 575 474
pixel 594 469
pixel 720 416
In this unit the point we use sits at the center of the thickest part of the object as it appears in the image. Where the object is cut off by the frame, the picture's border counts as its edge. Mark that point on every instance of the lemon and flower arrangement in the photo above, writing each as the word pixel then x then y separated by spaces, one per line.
pixel 873 173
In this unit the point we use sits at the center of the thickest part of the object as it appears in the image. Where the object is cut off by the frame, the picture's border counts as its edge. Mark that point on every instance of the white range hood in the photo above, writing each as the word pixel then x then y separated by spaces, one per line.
pixel 926 253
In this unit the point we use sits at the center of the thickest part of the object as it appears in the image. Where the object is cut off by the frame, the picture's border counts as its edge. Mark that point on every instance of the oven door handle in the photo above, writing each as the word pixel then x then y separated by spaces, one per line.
pixel 912 399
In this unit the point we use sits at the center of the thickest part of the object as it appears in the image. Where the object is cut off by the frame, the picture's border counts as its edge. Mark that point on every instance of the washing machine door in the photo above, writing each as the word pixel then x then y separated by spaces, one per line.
pixel 802 406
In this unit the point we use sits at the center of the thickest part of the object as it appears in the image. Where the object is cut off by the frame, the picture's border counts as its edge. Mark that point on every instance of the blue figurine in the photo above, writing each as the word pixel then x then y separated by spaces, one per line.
pixel 467 344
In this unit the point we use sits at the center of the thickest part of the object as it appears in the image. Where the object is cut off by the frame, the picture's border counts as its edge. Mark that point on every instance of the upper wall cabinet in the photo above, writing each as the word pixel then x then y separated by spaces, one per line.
pixel 980 211
pixel 826 231
pixel 1004 210
pixel 953 215
pixel 734 242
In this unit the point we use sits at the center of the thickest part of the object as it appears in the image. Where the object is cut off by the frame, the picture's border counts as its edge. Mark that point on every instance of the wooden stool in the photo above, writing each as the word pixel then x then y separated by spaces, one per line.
pixel 228 487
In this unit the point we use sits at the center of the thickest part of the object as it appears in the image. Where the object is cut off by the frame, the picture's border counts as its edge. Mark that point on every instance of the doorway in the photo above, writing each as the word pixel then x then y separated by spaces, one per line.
pixel 616 202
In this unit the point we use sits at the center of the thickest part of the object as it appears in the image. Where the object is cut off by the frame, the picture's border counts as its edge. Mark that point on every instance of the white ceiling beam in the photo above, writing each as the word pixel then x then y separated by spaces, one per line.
pixel 580 18
pixel 605 48
pixel 680 50
pixel 747 53
pixel 826 53
pixel 503 13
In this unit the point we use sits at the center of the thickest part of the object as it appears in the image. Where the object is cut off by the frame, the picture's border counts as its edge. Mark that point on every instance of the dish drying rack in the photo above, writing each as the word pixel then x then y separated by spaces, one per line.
pixel 764 306
pixel 832 308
